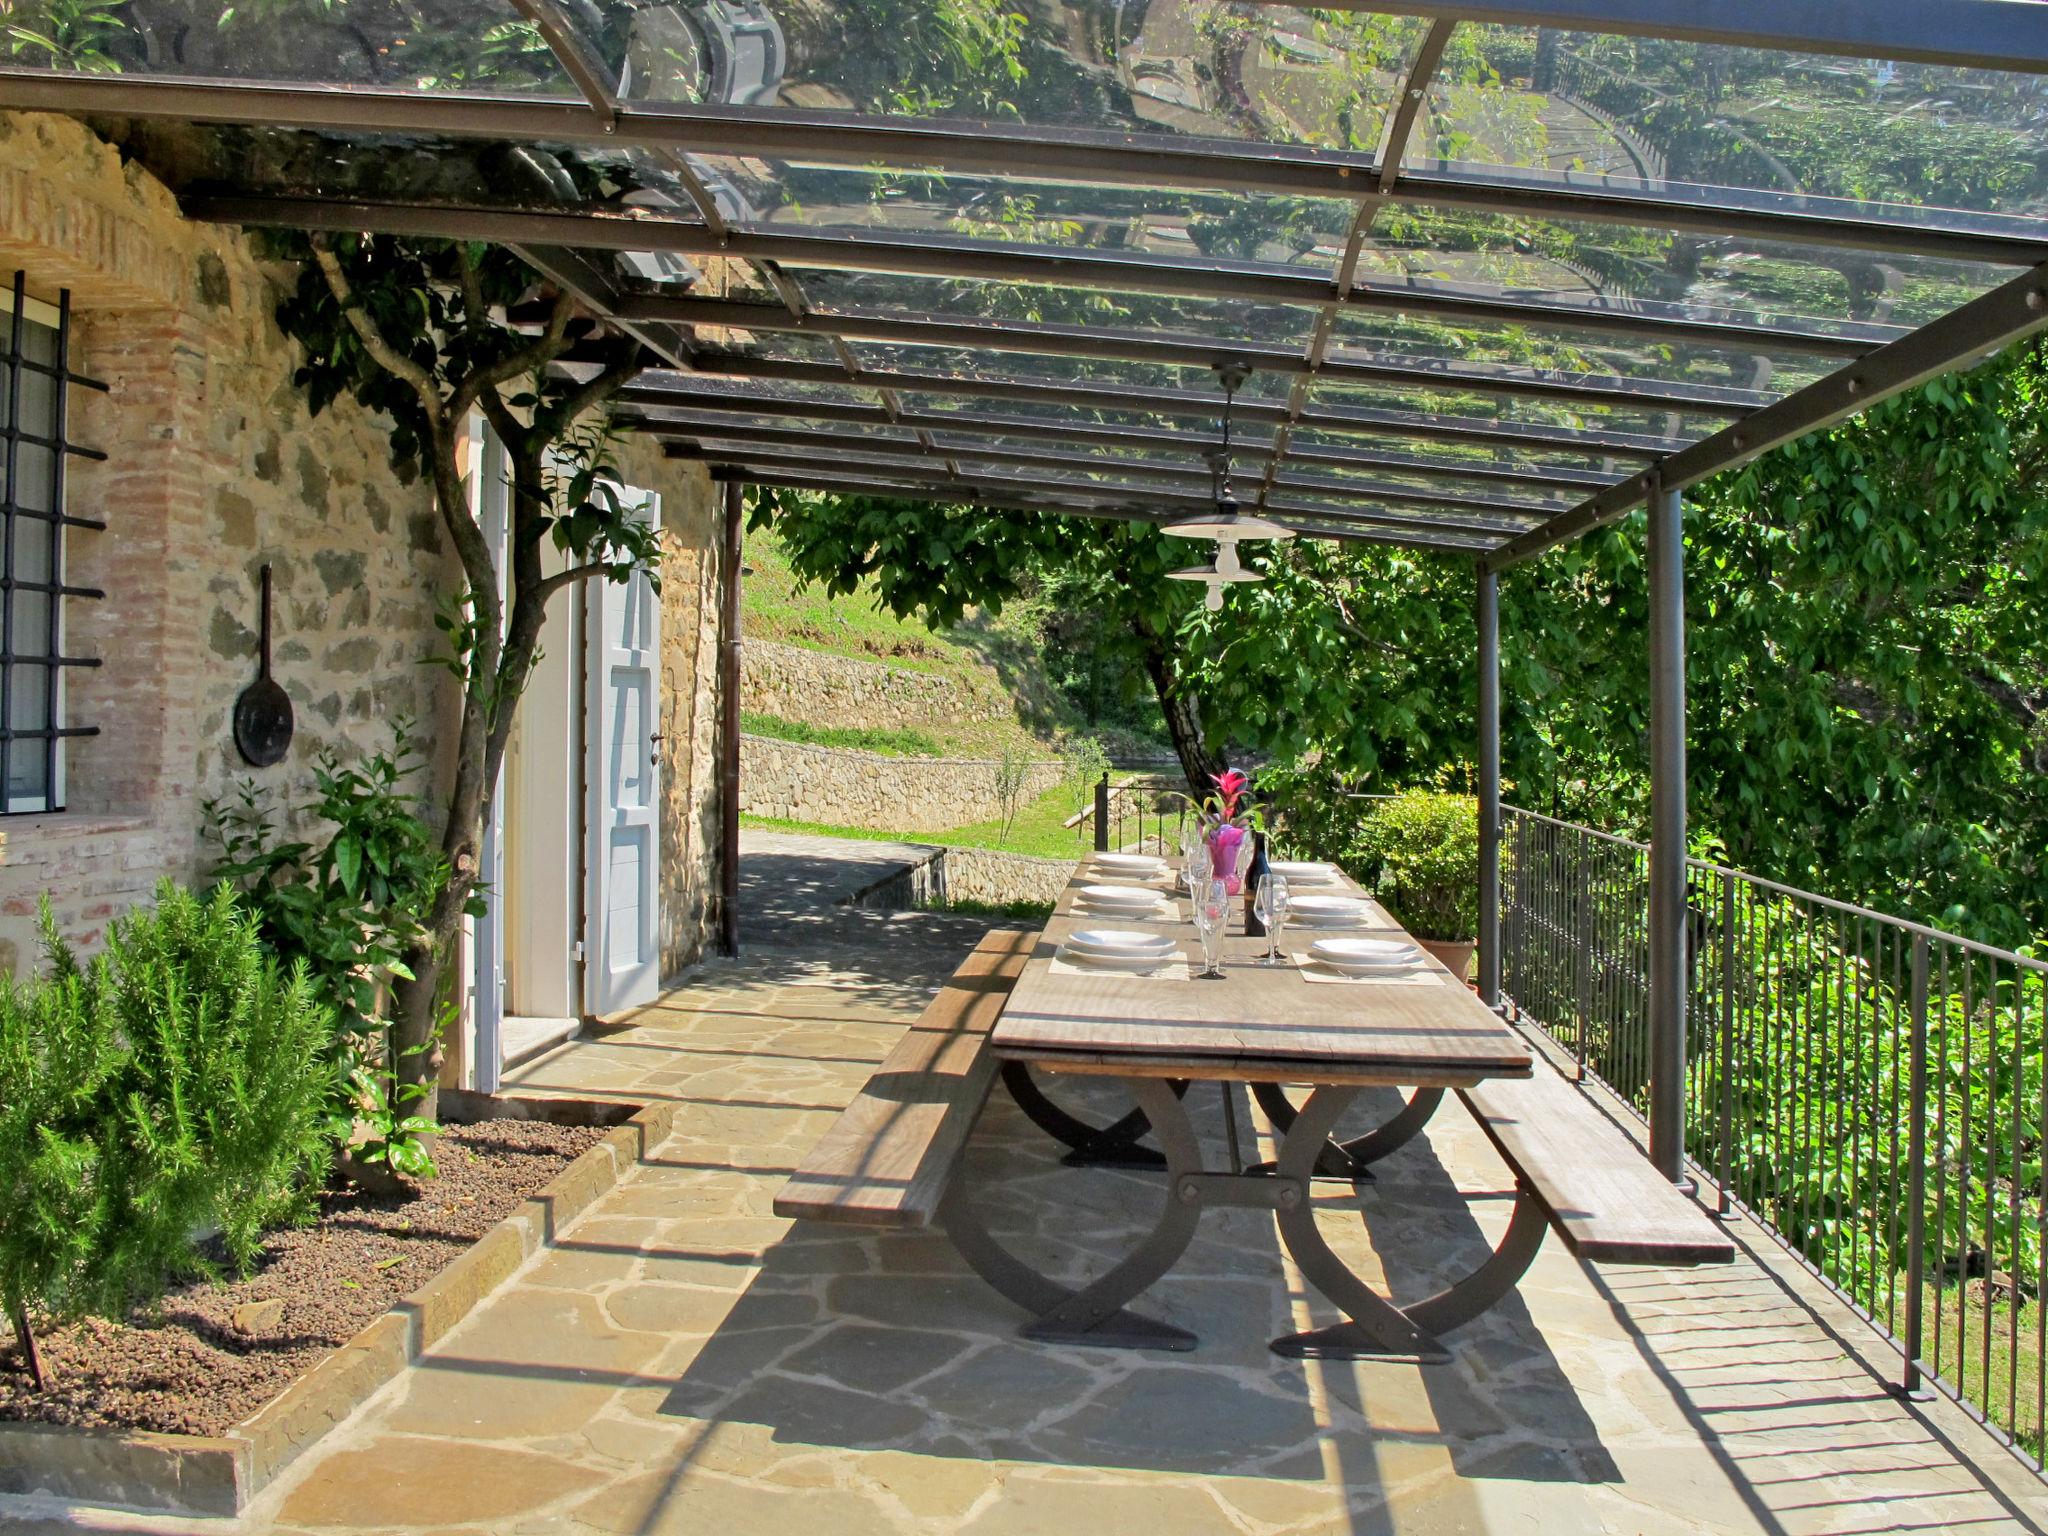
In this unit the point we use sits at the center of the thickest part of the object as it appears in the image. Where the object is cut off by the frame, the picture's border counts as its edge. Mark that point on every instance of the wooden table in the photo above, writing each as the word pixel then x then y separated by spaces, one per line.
pixel 1258 1026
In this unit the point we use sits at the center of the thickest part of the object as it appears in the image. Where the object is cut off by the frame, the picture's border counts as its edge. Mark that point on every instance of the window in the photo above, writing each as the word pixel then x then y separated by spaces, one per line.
pixel 35 379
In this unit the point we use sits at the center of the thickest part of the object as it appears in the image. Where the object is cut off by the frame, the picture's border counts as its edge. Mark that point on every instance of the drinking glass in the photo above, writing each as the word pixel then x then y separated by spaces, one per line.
pixel 1212 914
pixel 1199 866
pixel 1276 922
pixel 1269 906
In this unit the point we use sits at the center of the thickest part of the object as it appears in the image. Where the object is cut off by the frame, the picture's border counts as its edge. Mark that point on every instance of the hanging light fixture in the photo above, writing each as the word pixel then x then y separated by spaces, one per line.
pixel 1228 523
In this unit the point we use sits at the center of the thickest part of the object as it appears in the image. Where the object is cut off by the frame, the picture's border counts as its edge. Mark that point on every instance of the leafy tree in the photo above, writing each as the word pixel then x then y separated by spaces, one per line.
pixel 416 331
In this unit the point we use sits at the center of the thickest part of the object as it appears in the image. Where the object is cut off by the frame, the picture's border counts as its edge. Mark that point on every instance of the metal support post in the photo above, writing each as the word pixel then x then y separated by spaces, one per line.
pixel 729 734
pixel 1102 815
pixel 1489 787
pixel 1910 1384
pixel 1667 833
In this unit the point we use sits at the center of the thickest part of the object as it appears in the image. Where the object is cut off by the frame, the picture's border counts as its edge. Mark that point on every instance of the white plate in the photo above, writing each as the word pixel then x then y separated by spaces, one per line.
pixel 1379 952
pixel 1131 863
pixel 1097 962
pixel 1306 874
pixel 1325 910
pixel 1137 897
pixel 1119 941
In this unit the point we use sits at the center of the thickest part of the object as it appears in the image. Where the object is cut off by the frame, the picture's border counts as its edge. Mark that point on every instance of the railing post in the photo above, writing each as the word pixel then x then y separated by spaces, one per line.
pixel 1582 930
pixel 1102 815
pixel 1916 1176
pixel 1488 619
pixel 1724 1169
pixel 1667 832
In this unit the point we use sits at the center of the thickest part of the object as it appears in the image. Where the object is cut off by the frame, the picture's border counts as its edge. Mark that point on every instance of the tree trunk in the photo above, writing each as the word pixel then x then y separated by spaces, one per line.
pixel 31 1354
pixel 1183 715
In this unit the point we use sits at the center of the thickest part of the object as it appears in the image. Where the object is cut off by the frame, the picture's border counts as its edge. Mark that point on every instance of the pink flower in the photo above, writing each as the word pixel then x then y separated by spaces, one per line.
pixel 1231 784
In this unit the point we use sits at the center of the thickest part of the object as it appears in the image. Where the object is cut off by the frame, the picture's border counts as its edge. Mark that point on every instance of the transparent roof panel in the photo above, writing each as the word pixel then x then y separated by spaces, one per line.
pixel 1048 304
pixel 421 45
pixel 1052 370
pixel 1471 405
pixel 1310 445
pixel 762 193
pixel 1651 112
pixel 1194 67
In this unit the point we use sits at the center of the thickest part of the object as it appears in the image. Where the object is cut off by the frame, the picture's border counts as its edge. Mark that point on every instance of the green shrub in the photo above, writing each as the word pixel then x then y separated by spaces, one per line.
pixel 175 1087
pixel 905 741
pixel 1421 851
pixel 349 907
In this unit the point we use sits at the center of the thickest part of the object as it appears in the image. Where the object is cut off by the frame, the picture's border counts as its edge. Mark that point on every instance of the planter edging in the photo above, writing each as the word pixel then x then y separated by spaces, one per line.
pixel 220 1474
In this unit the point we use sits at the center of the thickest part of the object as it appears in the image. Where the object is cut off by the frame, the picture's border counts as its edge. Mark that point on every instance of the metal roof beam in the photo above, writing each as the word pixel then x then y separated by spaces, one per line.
pixel 1173 276
pixel 1980 329
pixel 1963 34
pixel 853 445
pixel 574 271
pixel 1016 499
pixel 685 410
pixel 1198 352
pixel 1539 437
pixel 1102 158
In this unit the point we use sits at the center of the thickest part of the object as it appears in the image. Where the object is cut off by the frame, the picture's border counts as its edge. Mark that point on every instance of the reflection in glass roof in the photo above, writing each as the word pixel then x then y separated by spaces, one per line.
pixel 1650 111
pixel 422 45
pixel 1043 224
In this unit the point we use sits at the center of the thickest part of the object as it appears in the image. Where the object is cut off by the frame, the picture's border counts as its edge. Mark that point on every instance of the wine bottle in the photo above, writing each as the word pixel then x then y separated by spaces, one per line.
pixel 1254 877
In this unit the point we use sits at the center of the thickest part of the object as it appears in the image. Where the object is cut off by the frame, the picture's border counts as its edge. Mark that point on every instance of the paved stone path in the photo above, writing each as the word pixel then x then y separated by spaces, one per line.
pixel 684 1361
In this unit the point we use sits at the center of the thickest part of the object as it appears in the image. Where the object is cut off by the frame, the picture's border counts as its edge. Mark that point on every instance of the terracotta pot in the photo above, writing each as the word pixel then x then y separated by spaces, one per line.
pixel 1455 954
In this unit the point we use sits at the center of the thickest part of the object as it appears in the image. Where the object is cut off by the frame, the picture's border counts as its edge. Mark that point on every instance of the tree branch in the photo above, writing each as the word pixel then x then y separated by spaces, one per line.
pixel 551 344
pixel 386 356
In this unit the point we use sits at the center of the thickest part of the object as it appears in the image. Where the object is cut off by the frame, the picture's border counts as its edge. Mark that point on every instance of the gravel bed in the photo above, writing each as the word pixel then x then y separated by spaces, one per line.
pixel 184 1367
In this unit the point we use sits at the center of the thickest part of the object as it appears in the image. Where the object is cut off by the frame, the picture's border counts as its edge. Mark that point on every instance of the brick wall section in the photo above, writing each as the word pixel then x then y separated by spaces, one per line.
pixel 214 469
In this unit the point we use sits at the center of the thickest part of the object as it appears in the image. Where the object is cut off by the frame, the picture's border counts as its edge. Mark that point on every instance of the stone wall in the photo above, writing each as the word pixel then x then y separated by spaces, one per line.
pixel 214 467
pixel 985 876
pixel 819 688
pixel 794 782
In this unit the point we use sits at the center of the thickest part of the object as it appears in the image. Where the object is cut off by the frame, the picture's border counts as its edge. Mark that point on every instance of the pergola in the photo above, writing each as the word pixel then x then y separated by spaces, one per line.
pixel 1500 273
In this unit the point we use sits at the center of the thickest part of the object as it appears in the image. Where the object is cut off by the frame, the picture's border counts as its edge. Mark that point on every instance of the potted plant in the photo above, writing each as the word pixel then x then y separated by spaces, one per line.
pixel 1425 849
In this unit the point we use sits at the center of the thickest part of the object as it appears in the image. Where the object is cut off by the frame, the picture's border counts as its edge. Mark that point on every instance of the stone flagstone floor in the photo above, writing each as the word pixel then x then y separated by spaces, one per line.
pixel 684 1361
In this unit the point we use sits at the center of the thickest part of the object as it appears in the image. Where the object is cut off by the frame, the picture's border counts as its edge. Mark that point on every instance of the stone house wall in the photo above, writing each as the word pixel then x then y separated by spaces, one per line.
pixel 819 688
pixel 213 468
pixel 796 782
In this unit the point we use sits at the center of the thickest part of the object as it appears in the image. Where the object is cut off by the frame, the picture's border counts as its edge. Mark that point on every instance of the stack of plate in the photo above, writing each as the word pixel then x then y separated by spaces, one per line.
pixel 1120 900
pixel 1365 957
pixel 1306 874
pixel 1134 866
pixel 1326 911
pixel 1119 949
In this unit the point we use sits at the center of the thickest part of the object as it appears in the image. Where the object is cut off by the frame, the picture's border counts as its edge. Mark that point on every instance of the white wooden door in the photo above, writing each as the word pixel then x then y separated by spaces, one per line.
pixel 622 902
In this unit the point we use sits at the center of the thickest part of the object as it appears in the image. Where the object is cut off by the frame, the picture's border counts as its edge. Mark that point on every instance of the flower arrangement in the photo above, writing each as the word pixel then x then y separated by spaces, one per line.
pixel 1228 817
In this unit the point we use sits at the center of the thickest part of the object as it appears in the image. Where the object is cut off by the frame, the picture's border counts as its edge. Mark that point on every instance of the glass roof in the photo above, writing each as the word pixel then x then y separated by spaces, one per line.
pixel 1478 273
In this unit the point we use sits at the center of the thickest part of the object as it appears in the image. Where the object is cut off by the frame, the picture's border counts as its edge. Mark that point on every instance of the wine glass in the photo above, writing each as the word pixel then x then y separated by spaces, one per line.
pixel 1271 907
pixel 1212 912
pixel 1200 865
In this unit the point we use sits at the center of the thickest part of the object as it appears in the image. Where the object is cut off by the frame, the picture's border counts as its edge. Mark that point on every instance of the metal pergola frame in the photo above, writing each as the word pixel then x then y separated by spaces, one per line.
pixel 967 434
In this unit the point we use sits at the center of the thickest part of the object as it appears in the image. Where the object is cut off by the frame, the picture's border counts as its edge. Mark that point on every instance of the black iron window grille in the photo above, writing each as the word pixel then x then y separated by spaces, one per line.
pixel 35 384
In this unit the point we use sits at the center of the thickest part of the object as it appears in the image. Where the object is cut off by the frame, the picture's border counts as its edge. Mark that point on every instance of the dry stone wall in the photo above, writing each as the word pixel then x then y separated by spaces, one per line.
pixel 819 688
pixel 795 782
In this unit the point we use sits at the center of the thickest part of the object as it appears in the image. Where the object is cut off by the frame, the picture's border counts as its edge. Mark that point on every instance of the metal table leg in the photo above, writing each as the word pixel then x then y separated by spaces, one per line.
pixel 1114 1145
pixel 1376 1328
pixel 1349 1159
pixel 1095 1313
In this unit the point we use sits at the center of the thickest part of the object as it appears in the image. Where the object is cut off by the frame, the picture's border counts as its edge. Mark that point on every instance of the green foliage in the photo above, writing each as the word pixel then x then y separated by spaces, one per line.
pixel 1087 761
pixel 1421 851
pixel 1013 772
pixel 174 1086
pixel 350 908
pixel 890 742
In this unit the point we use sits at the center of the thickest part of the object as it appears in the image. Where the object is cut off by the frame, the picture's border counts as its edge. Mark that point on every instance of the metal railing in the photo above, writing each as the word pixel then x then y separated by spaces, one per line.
pixel 1872 1091
pixel 1145 813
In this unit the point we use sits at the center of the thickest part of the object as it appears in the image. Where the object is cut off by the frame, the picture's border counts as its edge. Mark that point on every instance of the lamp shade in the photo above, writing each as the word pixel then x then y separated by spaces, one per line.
pixel 1232 525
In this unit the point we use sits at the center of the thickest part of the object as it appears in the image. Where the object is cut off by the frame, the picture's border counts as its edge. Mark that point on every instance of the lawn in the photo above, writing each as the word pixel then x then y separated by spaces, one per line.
pixel 903 741
pixel 1037 829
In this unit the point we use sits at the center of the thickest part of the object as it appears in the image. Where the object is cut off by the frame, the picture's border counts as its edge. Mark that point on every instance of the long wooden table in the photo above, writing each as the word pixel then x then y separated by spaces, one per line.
pixel 1257 1025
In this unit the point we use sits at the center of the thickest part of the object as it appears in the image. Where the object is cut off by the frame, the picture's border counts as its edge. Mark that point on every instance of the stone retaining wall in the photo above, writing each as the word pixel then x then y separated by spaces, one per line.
pixel 818 688
pixel 795 782
pixel 985 875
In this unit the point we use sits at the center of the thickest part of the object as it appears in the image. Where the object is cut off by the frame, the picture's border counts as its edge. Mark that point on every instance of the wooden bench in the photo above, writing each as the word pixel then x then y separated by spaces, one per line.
pixel 887 1159
pixel 1592 1181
